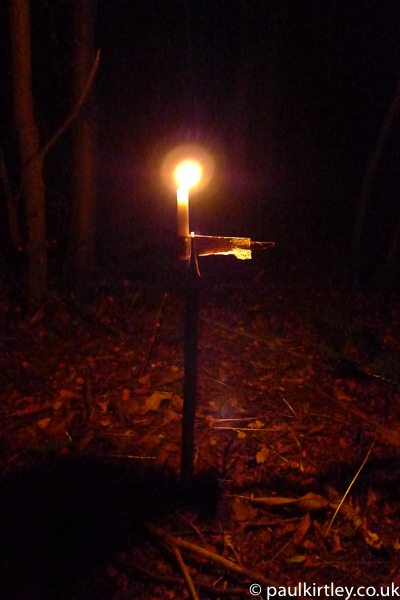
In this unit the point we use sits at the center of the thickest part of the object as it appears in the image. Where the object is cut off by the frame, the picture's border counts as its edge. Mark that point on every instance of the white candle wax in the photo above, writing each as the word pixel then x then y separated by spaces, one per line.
pixel 183 211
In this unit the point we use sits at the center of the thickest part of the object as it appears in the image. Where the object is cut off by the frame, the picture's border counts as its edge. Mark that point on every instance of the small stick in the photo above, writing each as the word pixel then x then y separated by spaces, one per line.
pixel 132 566
pixel 185 572
pixel 253 575
pixel 348 489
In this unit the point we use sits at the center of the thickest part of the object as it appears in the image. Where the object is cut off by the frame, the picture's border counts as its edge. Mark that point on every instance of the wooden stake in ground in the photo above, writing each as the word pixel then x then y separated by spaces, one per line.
pixel 191 355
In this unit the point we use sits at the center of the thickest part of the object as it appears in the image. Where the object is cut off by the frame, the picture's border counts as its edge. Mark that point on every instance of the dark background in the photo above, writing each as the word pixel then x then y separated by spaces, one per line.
pixel 289 96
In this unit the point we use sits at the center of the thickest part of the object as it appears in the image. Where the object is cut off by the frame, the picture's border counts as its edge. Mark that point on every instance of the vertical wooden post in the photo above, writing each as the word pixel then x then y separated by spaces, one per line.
pixel 191 356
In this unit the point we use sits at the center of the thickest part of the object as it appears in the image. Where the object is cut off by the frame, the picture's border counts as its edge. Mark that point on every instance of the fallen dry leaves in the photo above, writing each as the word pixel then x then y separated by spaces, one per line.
pixel 286 429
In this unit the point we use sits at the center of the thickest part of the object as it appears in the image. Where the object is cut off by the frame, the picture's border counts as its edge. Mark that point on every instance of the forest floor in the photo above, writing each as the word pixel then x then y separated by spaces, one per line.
pixel 298 388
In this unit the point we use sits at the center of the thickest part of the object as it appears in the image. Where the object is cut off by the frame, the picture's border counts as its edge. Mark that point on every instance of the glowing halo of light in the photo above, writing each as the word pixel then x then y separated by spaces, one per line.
pixel 187 153
pixel 188 173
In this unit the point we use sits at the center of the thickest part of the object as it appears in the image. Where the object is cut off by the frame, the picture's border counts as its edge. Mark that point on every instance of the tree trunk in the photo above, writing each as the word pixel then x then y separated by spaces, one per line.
pixel 32 175
pixel 369 180
pixel 15 237
pixel 83 224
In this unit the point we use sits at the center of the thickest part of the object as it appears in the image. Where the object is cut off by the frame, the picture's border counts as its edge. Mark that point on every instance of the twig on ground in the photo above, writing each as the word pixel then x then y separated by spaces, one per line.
pixel 185 571
pixel 131 566
pixel 350 486
pixel 251 574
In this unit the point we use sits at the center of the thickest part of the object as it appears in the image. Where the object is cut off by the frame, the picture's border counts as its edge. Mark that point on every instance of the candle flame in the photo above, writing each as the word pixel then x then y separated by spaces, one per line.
pixel 188 173
pixel 187 154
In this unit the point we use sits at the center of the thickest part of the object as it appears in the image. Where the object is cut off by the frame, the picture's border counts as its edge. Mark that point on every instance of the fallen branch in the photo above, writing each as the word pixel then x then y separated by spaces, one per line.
pixel 185 571
pixel 253 575
pixel 217 591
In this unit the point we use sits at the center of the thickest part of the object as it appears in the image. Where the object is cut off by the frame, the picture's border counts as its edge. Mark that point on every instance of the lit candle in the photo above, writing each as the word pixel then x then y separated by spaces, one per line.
pixel 187 174
pixel 183 211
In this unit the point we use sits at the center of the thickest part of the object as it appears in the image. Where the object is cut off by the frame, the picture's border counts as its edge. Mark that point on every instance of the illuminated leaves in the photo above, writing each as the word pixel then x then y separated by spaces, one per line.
pixel 256 425
pixel 154 401
pixel 243 510
pixel 262 455
pixel 301 529
pixel 273 415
